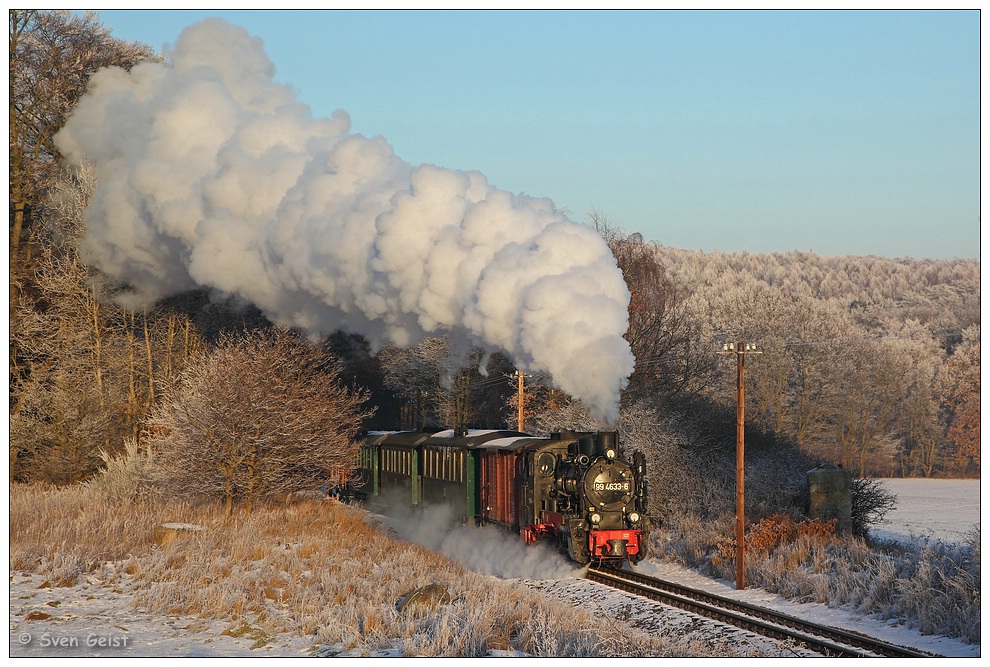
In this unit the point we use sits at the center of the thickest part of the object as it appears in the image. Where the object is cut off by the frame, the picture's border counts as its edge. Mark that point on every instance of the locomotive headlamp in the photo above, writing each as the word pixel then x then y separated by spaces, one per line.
pixel 596 517
pixel 610 454
pixel 634 517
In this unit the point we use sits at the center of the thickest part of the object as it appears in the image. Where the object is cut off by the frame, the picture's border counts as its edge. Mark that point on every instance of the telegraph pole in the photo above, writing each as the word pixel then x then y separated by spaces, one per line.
pixel 519 403
pixel 740 349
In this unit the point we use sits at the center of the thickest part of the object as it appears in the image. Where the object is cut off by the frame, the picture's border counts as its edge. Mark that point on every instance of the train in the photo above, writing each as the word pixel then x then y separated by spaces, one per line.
pixel 575 490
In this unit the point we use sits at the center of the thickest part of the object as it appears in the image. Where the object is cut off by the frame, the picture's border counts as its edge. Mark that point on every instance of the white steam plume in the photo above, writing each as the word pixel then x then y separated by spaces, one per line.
pixel 212 175
pixel 483 549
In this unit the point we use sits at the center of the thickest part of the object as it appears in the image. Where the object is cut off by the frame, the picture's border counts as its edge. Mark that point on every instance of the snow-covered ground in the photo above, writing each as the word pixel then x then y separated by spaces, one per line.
pixel 94 619
pixel 940 509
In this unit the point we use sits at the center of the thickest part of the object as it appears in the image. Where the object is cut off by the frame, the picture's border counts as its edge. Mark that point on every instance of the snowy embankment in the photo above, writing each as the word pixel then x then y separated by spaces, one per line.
pixel 95 619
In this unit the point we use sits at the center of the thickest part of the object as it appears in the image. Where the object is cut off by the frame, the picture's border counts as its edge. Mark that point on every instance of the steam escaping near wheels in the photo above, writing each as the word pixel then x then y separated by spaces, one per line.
pixel 211 175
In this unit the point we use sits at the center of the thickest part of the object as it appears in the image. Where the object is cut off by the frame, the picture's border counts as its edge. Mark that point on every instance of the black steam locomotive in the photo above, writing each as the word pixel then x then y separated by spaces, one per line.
pixel 573 489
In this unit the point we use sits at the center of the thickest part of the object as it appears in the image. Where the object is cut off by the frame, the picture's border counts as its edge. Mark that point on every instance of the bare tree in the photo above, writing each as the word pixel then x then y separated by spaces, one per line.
pixel 661 334
pixel 84 375
pixel 421 376
pixel 59 417
pixel 256 417
pixel 443 387
pixel 64 342
pixel 789 389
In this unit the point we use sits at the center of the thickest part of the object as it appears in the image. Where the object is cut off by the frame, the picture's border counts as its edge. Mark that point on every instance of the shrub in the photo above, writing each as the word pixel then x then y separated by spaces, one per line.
pixel 125 477
pixel 870 503
pixel 775 531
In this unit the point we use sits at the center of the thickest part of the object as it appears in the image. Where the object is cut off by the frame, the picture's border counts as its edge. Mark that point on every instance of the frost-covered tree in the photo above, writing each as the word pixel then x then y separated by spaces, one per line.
pixel 67 370
pixel 959 382
pixel 922 438
pixel 875 377
pixel 819 320
pixel 84 372
pixel 60 410
pixel 685 475
pixel 790 387
pixel 264 415
pixel 52 55
pixel 548 410
pixel 68 358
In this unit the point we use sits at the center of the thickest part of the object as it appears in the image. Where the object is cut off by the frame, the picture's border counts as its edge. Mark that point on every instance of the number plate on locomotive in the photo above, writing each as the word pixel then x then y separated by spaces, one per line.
pixel 611 486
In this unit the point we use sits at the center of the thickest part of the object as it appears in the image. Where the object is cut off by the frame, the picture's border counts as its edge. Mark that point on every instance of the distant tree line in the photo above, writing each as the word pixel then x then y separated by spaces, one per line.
pixel 868 362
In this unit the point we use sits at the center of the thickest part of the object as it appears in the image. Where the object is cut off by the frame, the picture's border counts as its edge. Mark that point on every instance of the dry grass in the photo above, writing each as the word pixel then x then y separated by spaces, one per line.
pixel 312 569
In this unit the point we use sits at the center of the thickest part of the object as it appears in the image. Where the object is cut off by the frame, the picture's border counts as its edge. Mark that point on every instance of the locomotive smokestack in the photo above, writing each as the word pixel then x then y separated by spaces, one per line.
pixel 608 440
pixel 210 175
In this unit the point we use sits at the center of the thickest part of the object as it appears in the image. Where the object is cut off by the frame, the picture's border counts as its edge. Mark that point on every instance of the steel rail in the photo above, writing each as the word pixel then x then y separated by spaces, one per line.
pixel 819 638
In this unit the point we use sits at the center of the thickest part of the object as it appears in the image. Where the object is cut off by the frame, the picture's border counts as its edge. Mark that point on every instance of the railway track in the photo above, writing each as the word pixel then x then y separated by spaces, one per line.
pixel 822 639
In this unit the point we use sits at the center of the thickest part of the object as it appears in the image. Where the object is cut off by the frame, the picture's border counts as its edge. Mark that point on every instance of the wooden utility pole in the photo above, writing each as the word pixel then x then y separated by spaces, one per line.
pixel 520 401
pixel 740 350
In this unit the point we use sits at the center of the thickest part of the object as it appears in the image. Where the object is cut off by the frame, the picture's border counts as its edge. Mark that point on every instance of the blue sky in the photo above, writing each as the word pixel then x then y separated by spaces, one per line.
pixel 841 132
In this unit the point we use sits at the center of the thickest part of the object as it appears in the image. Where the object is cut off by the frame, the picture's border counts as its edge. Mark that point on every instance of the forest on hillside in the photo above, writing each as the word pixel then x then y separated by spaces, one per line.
pixel 868 362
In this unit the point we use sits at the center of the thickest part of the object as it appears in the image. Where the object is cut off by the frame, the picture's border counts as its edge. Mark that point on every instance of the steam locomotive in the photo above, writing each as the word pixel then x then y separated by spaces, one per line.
pixel 574 489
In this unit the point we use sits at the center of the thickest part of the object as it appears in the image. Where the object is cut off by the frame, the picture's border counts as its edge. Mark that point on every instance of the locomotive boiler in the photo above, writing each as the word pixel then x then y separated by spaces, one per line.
pixel 575 490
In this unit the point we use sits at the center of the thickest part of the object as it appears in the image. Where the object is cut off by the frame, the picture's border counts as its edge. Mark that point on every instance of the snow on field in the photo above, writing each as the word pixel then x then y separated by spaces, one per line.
pixel 941 509
pixel 94 619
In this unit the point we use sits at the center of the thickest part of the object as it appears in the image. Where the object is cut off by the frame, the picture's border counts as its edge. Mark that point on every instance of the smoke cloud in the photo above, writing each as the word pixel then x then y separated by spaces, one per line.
pixel 483 549
pixel 212 175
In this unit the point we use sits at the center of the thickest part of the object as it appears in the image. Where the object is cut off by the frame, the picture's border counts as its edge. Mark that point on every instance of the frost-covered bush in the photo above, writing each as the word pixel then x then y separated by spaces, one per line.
pixel 127 476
